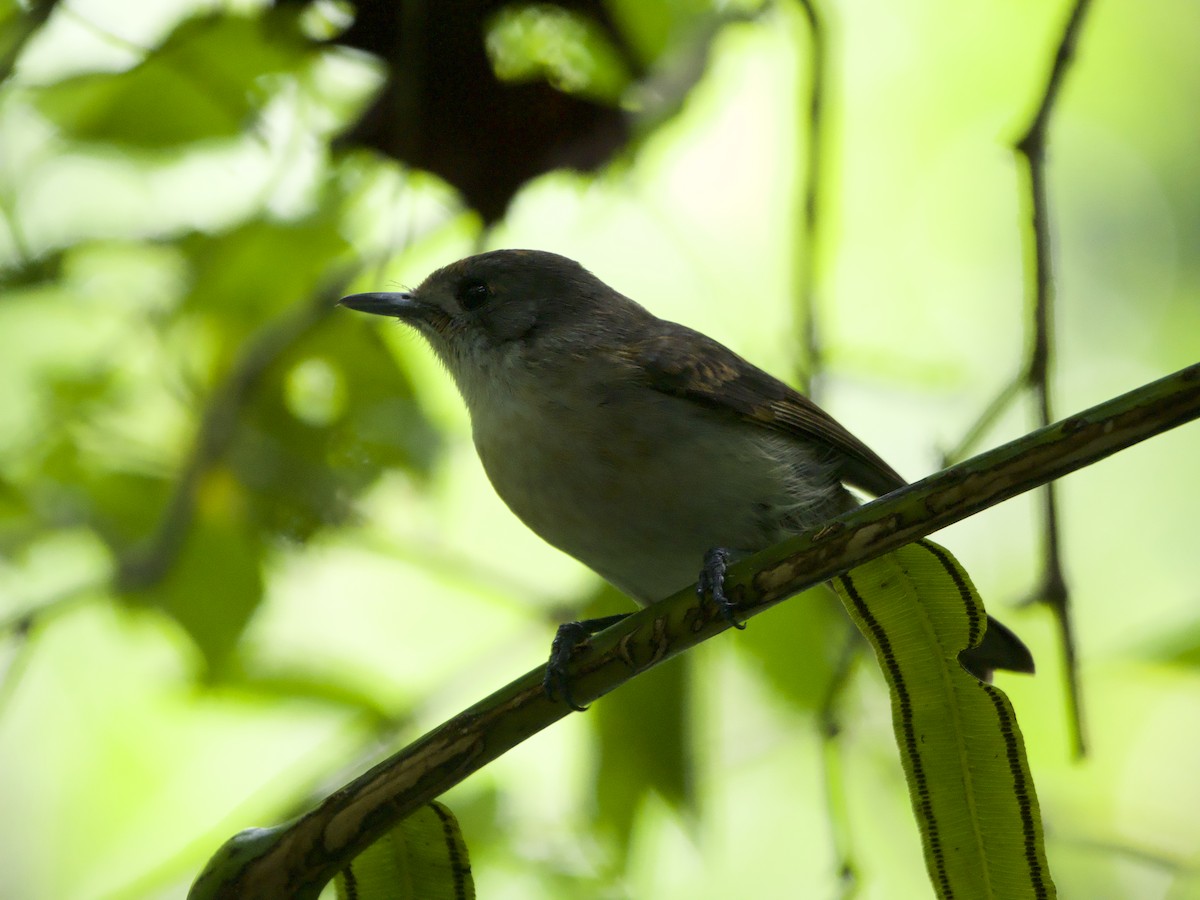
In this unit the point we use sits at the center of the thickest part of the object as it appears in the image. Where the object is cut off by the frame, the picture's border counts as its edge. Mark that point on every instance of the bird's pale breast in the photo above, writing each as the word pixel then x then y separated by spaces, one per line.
pixel 638 485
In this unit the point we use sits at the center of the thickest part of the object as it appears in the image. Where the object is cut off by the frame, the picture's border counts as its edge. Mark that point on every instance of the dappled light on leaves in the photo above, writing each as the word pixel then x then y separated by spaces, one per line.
pixel 246 547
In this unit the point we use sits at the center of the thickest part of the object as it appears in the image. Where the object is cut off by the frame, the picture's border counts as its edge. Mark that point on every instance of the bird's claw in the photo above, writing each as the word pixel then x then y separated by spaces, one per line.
pixel 569 638
pixel 570 635
pixel 711 585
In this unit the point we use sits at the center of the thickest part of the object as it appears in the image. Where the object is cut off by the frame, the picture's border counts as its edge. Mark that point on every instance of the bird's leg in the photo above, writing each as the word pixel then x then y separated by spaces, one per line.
pixel 711 585
pixel 569 638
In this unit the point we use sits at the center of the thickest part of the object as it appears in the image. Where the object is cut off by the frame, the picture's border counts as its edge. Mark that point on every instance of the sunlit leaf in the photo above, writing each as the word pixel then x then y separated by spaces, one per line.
pixel 568 50
pixel 205 81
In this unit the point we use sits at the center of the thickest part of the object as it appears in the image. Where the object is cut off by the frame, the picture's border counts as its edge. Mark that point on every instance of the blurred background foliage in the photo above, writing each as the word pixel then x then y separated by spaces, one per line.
pixel 245 545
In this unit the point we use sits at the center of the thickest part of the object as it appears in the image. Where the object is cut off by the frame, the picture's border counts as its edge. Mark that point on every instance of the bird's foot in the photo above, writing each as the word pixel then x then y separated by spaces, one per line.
pixel 571 637
pixel 711 585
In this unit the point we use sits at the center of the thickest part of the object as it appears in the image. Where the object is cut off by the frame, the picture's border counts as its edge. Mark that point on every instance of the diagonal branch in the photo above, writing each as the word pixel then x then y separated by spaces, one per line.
pixel 298 858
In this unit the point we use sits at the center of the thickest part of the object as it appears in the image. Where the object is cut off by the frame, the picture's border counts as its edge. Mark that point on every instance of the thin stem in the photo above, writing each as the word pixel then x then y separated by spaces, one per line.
pixel 813 141
pixel 990 414
pixel 830 724
pixel 1031 148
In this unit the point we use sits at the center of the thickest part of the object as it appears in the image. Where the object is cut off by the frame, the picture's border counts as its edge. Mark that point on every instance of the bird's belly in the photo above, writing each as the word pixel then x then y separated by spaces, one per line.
pixel 640 503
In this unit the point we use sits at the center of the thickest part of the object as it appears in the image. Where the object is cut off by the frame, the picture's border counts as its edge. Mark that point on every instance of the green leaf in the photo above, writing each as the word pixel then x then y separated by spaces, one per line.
pixel 641 736
pixel 961 748
pixel 205 81
pixel 422 858
pixel 215 583
pixel 1180 648
pixel 17 522
pixel 333 409
pixel 800 646
pixel 331 414
pixel 261 268
pixel 567 49
pixel 644 747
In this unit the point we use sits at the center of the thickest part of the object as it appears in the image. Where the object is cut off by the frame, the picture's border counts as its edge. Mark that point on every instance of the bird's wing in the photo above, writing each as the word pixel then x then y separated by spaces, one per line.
pixel 685 363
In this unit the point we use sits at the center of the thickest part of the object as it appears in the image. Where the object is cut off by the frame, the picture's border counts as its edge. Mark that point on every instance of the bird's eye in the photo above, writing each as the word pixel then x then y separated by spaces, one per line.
pixel 472 293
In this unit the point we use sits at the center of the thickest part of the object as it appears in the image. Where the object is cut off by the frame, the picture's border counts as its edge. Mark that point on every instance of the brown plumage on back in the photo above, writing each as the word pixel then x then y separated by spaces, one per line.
pixel 685 363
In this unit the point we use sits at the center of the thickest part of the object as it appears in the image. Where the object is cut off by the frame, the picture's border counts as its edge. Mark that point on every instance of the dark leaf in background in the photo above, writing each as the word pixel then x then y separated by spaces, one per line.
pixel 124 507
pixel 15 518
pixel 644 744
pixel 332 410
pixel 799 646
pixel 302 408
pixel 322 422
pixel 645 748
pixel 331 415
pixel 216 582
pixel 29 272
pixel 1182 649
pixel 443 109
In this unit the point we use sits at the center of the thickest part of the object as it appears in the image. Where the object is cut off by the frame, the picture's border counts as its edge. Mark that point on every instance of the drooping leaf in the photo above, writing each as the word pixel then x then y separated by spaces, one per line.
pixel 422 858
pixel 962 750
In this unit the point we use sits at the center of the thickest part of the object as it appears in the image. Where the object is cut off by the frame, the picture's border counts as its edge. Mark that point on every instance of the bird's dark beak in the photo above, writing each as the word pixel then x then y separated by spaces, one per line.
pixel 402 305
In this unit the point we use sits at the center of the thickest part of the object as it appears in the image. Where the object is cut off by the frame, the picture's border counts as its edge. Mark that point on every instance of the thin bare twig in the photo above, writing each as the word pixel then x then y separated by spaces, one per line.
pixel 1031 150
pixel 986 419
pixel 1035 374
pixel 1052 587
pixel 829 718
pixel 297 859
pixel 813 140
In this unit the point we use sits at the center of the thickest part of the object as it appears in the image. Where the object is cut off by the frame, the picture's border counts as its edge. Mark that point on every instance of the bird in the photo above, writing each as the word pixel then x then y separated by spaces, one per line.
pixel 648 451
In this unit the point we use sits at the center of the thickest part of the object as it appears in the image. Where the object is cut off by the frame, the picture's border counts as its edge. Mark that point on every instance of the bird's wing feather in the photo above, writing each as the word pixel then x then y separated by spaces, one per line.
pixel 685 363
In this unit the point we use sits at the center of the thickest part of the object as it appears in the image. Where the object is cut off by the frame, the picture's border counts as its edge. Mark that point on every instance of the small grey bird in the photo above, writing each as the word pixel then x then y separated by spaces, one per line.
pixel 642 448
